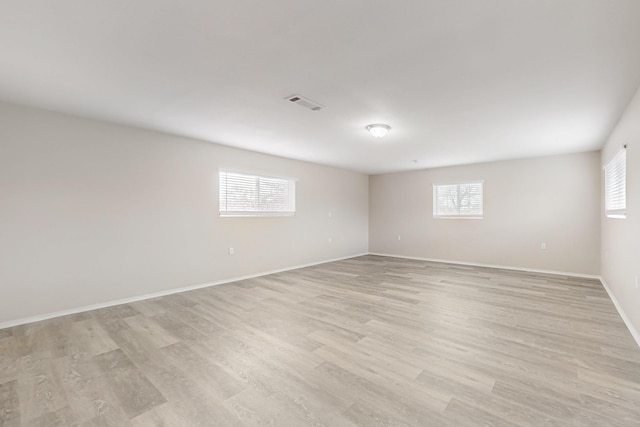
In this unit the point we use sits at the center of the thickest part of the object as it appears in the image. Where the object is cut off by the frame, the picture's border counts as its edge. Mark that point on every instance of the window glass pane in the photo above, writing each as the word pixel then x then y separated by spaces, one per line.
pixel 458 200
pixel 615 178
pixel 253 195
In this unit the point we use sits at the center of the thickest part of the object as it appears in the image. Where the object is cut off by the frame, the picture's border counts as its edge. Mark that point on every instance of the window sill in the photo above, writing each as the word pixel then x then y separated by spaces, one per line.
pixel 256 214
pixel 457 217
pixel 617 216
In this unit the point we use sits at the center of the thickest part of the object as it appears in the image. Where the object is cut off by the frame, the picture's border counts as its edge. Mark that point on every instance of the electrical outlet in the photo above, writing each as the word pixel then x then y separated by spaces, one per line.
pixel 231 251
pixel 398 237
pixel 543 246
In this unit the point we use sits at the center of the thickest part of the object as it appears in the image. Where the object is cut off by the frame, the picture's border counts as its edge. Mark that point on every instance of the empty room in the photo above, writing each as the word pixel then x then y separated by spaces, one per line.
pixel 320 213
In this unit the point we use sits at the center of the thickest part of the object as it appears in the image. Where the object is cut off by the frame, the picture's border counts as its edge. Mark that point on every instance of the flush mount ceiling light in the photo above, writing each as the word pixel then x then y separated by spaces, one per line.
pixel 378 130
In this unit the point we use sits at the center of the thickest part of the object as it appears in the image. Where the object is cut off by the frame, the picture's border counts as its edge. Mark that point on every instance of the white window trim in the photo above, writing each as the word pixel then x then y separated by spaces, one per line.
pixel 621 156
pixel 256 213
pixel 461 216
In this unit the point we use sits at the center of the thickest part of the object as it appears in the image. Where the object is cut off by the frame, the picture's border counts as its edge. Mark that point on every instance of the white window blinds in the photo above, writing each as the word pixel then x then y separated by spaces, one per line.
pixel 458 200
pixel 253 195
pixel 615 185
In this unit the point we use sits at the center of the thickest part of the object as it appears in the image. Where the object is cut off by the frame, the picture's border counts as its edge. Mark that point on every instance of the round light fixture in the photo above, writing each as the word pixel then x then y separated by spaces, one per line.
pixel 378 130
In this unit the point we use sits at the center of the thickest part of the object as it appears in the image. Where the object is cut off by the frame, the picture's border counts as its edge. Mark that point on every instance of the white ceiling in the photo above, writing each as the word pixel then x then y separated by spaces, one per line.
pixel 459 81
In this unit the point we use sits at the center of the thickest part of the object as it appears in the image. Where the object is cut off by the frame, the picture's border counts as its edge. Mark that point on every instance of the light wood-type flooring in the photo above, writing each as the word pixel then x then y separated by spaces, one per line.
pixel 369 341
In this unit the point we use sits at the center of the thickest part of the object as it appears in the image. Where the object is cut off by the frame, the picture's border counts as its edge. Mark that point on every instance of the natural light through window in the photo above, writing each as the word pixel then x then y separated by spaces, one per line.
pixel 244 194
pixel 615 185
pixel 463 200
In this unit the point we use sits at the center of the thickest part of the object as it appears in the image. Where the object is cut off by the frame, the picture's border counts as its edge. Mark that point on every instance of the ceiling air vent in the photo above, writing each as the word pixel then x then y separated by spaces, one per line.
pixel 304 102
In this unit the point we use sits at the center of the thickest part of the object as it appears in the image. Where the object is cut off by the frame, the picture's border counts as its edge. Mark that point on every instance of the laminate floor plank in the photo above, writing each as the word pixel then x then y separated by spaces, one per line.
pixel 88 393
pixel 40 390
pixel 10 412
pixel 133 389
pixel 367 341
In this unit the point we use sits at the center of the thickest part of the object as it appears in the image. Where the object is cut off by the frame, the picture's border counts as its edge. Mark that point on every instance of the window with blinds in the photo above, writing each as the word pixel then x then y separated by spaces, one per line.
pixel 253 195
pixel 615 185
pixel 462 200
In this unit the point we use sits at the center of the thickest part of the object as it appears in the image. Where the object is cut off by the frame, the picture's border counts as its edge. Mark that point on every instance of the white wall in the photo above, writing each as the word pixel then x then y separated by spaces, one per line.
pixel 92 212
pixel 621 237
pixel 526 202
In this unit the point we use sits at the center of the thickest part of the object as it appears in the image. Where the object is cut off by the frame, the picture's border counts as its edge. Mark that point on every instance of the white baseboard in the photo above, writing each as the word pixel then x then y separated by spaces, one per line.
pixel 502 267
pixel 46 316
pixel 625 318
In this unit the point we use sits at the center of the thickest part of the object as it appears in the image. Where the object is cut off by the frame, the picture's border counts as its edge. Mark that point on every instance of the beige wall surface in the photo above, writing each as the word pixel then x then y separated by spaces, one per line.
pixel 621 237
pixel 92 212
pixel 526 202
